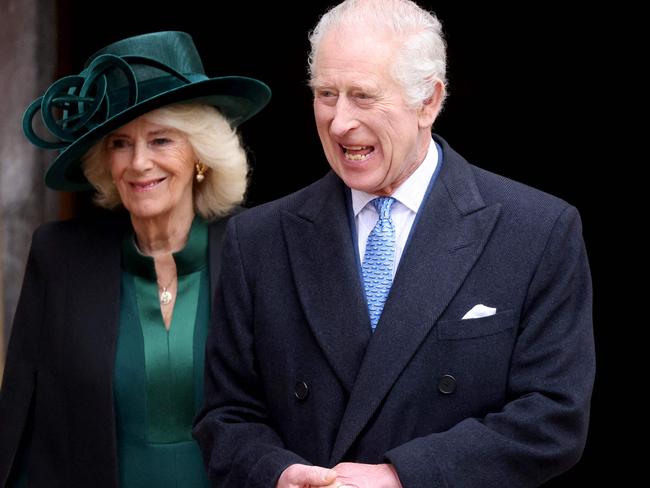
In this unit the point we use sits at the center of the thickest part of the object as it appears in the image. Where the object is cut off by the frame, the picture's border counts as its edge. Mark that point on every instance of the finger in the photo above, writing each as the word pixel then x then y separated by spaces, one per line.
pixel 334 484
pixel 317 476
pixel 300 475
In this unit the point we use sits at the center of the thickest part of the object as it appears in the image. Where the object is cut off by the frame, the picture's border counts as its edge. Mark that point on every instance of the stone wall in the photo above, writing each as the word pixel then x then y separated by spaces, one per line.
pixel 28 61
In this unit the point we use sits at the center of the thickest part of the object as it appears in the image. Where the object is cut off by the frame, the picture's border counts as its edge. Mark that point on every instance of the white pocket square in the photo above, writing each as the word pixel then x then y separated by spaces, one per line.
pixel 479 311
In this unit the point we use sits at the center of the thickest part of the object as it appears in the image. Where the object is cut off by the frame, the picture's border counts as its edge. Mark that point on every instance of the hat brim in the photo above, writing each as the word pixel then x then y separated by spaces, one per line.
pixel 238 98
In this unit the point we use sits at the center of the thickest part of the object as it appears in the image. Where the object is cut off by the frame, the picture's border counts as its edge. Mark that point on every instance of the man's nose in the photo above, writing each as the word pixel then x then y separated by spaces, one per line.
pixel 344 118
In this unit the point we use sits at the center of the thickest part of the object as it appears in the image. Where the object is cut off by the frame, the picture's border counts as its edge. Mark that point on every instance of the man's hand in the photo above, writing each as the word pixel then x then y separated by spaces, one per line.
pixel 303 476
pixel 367 475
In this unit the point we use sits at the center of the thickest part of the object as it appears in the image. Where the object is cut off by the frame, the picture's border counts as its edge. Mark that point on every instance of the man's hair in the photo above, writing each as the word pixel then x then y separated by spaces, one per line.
pixel 214 143
pixel 421 58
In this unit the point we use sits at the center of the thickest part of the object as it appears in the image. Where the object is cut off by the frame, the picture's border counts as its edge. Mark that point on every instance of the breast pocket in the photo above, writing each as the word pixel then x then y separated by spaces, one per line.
pixel 452 330
pixel 476 353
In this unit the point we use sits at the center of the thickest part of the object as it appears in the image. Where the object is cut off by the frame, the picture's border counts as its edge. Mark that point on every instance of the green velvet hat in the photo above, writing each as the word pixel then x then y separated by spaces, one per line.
pixel 123 81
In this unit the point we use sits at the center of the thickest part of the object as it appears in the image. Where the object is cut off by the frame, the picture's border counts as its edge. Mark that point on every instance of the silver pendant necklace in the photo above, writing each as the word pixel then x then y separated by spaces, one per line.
pixel 165 295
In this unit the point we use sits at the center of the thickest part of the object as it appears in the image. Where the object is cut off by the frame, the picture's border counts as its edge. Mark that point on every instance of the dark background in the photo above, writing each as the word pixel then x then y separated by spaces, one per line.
pixel 526 100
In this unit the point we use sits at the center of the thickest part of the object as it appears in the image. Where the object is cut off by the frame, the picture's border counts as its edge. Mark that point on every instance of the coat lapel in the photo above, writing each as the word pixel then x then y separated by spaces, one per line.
pixel 93 298
pixel 322 257
pixel 450 235
pixel 92 315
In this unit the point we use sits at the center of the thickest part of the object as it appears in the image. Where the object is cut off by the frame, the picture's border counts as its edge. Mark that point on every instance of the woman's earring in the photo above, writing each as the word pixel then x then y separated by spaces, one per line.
pixel 200 171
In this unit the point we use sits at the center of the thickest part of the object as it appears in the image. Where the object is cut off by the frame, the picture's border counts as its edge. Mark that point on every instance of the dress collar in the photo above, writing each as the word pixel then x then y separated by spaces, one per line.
pixel 190 259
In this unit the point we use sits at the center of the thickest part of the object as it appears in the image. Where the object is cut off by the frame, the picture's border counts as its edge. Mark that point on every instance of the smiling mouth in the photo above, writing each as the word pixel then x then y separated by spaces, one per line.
pixel 146 185
pixel 357 153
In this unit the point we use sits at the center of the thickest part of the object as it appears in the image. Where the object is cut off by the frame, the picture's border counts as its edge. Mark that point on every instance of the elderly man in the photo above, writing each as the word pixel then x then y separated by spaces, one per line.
pixel 408 320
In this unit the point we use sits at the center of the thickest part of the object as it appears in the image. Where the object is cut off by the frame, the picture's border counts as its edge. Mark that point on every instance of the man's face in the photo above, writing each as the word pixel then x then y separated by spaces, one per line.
pixel 371 138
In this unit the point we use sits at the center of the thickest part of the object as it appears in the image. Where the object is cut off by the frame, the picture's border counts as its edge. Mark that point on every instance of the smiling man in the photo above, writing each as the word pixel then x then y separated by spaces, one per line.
pixel 409 320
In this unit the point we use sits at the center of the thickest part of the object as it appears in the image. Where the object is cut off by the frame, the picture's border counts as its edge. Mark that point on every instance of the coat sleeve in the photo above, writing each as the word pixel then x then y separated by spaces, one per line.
pixel 240 448
pixel 541 431
pixel 19 380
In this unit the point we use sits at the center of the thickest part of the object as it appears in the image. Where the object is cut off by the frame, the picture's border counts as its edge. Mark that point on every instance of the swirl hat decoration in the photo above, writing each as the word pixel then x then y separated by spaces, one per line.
pixel 123 81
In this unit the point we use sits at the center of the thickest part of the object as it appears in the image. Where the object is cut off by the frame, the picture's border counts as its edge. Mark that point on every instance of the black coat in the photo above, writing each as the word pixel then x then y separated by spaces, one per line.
pixel 294 374
pixel 58 380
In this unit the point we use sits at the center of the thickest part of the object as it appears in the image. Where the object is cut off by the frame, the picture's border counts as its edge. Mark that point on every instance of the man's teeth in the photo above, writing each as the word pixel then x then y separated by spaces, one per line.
pixel 356 157
pixel 357 153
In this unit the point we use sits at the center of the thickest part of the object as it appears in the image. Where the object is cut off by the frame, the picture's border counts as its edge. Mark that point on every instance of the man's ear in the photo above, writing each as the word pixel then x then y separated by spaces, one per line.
pixel 430 108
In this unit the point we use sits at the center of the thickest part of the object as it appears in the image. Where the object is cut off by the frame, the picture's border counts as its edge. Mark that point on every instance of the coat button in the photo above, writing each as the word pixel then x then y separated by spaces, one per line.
pixel 301 391
pixel 447 384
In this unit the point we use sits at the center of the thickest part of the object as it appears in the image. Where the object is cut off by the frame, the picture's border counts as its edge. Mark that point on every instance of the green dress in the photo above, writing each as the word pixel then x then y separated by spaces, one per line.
pixel 158 380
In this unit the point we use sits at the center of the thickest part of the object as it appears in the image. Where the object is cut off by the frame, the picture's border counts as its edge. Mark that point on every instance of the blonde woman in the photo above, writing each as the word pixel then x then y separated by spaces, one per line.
pixel 105 364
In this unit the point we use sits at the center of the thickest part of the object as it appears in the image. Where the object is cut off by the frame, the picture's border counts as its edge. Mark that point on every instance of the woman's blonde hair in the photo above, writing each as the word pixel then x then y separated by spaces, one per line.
pixel 215 144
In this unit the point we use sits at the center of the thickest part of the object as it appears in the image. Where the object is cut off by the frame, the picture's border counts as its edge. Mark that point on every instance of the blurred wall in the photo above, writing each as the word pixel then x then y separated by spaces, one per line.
pixel 27 64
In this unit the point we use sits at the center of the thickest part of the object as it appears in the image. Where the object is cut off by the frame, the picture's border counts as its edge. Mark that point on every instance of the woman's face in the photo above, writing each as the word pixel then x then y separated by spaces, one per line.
pixel 152 167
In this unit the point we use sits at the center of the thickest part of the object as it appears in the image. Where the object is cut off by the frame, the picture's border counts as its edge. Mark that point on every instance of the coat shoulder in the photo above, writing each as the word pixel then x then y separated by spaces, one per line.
pixel 515 195
pixel 528 217
pixel 532 224
pixel 75 235
pixel 472 187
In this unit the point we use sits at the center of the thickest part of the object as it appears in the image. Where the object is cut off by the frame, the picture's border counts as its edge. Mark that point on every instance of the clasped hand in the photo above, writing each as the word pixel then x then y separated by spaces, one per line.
pixel 343 475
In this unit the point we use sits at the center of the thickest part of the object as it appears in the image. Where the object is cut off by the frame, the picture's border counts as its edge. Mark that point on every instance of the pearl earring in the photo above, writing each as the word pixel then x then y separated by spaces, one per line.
pixel 200 171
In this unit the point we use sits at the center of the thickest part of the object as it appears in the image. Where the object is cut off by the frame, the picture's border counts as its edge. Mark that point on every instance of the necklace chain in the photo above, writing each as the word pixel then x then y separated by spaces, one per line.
pixel 164 294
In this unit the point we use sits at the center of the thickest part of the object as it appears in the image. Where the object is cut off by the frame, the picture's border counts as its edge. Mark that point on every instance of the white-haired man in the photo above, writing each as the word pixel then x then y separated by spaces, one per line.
pixel 408 320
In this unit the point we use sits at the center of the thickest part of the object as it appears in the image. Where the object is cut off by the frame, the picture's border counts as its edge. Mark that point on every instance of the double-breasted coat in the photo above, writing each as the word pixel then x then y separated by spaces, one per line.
pixel 294 374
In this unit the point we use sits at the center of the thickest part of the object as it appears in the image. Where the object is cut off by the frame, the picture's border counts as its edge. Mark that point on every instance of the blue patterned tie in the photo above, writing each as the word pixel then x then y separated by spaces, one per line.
pixel 377 267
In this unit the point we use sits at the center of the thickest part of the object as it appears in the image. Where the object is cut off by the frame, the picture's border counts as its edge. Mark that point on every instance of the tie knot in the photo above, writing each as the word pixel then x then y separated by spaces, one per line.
pixel 383 204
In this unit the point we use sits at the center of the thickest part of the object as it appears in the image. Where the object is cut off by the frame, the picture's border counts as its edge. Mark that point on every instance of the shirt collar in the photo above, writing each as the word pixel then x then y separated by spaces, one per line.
pixel 412 191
